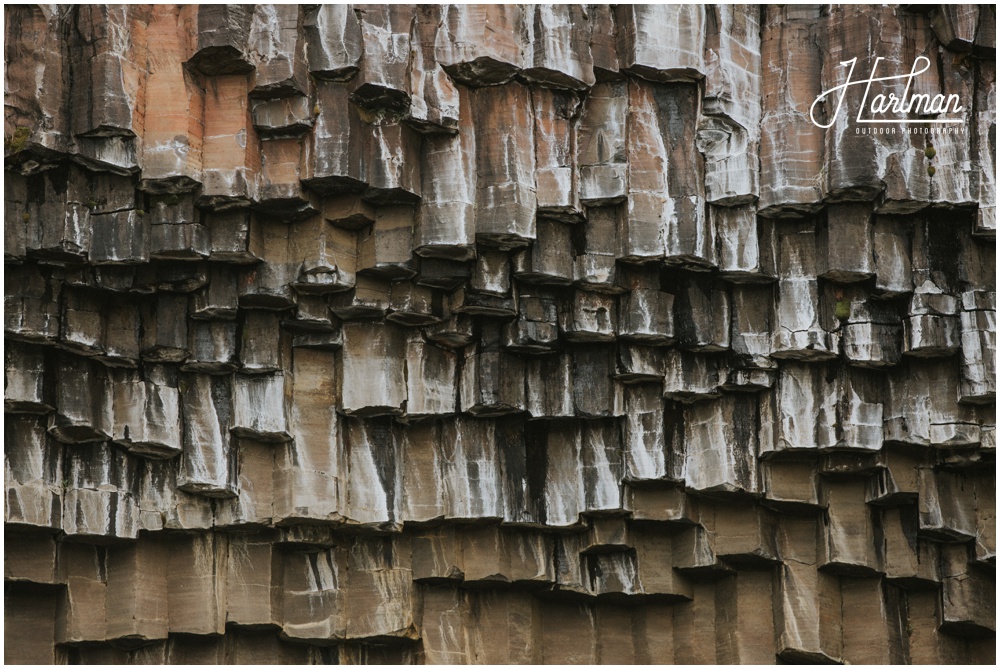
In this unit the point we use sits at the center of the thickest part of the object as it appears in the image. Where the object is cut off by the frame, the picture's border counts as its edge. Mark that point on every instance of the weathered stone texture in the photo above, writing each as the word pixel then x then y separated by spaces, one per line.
pixel 497 334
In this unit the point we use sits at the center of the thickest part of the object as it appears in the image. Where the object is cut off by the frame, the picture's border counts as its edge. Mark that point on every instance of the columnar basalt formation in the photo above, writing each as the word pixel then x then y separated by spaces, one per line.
pixel 479 334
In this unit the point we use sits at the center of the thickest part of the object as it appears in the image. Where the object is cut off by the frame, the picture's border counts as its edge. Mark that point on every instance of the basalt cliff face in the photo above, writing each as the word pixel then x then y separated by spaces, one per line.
pixel 484 334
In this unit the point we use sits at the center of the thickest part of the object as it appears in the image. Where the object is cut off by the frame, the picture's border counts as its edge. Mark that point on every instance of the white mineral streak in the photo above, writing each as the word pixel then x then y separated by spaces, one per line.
pixel 985 151
pixel 979 335
pixel 865 152
pixel 873 335
pixel 205 465
pixel 709 462
pixel 492 273
pixel 385 33
pixel 98 501
pixel 691 376
pixel 743 251
pixel 505 160
pixel 154 502
pixel 568 566
pixel 490 382
pixel 372 478
pixel 444 640
pixel 729 130
pixel 844 545
pixel 720 445
pixel 923 407
pixel 82 316
pixel 806 408
pixel 662 42
pixel 24 382
pixel 702 315
pixel 647 205
pixel 564 484
pixel 615 573
pixel 791 150
pixel 328 256
pixel 530 556
pixel 601 145
pixel 266 29
pixel 602 466
pixel 555 114
pixel 446 226
pixel 545 378
pixel 163 506
pixel 434 97
pixel 480 44
pixel 860 411
pixel 932 327
pixel 636 363
pixel 902 165
pixel 165 155
pixel 33 495
pixel 751 314
pixel 643 438
pixel 114 154
pixel 689 239
pixel 373 373
pixel 797 331
pixel 309 473
pixel 556 49
pixel 646 316
pixel 36 78
pixel 379 597
pixel 333 35
pixel 259 407
pixel 591 318
pixel 940 508
pixel 423 481
pixel 471 469
pixel 892 256
pixel 113 69
pixel 954 183
pixel 430 379
pixel 146 415
pixel 81 416
pixel 278 51
pixel 313 584
pixel 845 245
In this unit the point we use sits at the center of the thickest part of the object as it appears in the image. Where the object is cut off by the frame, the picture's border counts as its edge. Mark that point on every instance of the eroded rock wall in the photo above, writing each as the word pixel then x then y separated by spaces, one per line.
pixel 486 334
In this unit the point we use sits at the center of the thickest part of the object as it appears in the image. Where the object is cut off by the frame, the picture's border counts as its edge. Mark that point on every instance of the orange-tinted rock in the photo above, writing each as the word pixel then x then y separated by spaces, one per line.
pixel 505 161
pixel 364 334
pixel 791 146
pixel 36 116
pixel 173 129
